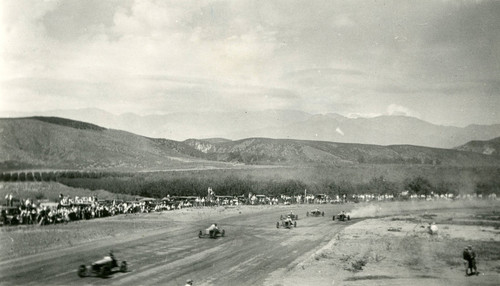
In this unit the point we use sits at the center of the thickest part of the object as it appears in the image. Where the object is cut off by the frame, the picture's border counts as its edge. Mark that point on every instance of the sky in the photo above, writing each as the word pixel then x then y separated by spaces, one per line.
pixel 435 60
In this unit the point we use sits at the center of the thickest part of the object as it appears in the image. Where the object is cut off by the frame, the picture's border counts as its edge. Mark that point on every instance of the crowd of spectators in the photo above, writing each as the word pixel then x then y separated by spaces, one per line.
pixel 66 209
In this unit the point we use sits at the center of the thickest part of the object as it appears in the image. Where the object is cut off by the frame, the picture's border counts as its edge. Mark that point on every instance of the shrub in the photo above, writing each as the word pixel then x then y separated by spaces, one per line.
pixel 39 196
pixel 358 264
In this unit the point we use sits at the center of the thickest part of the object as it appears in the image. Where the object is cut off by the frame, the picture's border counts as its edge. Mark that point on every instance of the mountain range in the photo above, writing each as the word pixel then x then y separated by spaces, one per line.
pixel 285 124
pixel 60 143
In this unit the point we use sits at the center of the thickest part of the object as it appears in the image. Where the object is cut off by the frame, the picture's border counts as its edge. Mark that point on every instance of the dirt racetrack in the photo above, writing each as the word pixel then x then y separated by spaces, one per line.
pixel 168 251
pixel 384 244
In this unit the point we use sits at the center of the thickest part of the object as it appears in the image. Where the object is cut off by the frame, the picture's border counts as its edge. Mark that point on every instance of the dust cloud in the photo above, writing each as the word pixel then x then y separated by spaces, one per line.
pixel 367 211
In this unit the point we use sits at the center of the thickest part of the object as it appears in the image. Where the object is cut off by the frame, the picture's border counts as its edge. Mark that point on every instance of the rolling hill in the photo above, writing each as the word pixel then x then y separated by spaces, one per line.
pixel 286 124
pixel 302 152
pixel 59 143
pixel 488 147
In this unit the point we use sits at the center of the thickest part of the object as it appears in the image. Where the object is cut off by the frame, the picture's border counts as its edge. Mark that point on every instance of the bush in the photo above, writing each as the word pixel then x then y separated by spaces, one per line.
pixel 37 176
pixel 39 196
pixel 6 177
pixel 419 186
pixel 358 264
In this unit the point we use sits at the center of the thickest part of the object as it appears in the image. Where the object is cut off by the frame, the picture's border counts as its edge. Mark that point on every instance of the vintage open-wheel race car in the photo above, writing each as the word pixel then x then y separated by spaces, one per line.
pixel 212 232
pixel 315 212
pixel 103 268
pixel 343 216
pixel 287 222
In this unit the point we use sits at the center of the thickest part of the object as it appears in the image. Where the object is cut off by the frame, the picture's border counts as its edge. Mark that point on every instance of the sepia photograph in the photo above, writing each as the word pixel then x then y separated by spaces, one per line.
pixel 249 142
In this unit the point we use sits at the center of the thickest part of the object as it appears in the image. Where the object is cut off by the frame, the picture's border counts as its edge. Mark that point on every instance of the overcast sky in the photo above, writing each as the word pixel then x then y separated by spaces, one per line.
pixel 435 60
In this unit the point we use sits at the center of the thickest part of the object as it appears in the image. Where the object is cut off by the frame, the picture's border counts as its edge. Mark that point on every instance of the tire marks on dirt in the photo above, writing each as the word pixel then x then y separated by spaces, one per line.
pixel 252 249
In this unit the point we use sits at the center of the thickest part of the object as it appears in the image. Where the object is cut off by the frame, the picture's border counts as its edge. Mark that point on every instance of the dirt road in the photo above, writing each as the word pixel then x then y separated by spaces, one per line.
pixel 168 255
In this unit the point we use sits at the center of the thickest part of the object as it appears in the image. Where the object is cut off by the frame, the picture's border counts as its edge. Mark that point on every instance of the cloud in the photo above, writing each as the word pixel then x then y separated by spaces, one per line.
pixel 315 56
pixel 394 109
pixel 363 115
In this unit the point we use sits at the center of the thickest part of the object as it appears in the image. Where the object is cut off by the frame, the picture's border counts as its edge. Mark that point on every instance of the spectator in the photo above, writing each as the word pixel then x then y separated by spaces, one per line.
pixel 433 229
pixel 9 199
pixel 470 261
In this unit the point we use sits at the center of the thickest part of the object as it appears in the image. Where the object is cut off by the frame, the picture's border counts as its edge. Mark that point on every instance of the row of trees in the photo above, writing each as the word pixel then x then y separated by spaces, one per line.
pixel 399 160
pixel 41 176
pixel 235 186
pixel 160 184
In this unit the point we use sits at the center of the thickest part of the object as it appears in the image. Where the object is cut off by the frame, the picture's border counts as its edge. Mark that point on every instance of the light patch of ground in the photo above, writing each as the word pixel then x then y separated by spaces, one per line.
pixel 402 228
pixel 399 250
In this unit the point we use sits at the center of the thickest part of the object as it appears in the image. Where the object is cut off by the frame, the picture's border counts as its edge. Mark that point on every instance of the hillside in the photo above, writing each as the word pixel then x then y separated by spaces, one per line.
pixel 288 124
pixel 296 152
pixel 488 147
pixel 58 143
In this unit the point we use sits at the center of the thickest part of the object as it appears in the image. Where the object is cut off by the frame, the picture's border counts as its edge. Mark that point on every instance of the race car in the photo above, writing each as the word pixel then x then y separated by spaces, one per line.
pixel 287 222
pixel 212 232
pixel 342 216
pixel 315 212
pixel 291 215
pixel 102 268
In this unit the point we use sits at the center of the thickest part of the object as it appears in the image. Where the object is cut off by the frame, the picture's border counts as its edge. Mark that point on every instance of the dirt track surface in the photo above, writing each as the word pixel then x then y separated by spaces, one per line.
pixel 171 253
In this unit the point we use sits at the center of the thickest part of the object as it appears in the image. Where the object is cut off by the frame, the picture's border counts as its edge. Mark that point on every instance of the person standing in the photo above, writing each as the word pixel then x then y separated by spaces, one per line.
pixel 9 198
pixel 433 229
pixel 470 260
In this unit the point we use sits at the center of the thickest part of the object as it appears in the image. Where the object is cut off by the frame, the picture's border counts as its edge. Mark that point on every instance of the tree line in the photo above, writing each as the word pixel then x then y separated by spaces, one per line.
pixel 236 186
pixel 47 176
pixel 159 185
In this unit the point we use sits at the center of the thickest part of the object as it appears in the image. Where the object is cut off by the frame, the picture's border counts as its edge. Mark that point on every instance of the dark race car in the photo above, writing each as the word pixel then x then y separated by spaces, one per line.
pixel 102 268
pixel 315 212
pixel 287 222
pixel 212 232
pixel 343 216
